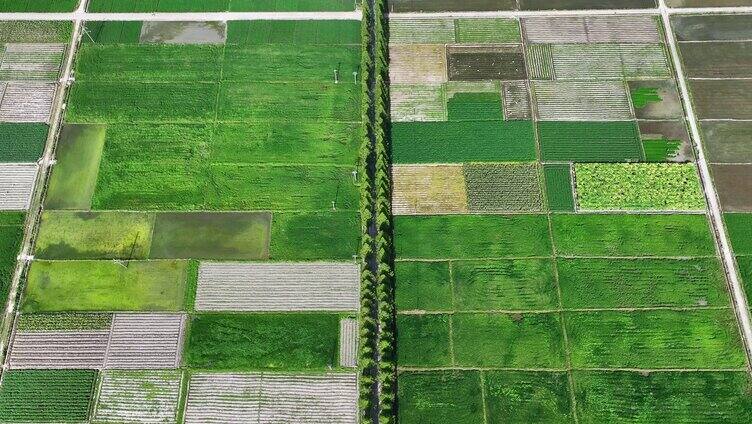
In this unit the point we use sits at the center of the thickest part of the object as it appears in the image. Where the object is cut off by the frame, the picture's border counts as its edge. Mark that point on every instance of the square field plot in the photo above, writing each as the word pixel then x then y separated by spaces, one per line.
pixel 61 396
pixel 17 185
pixel 145 341
pixel 22 142
pixel 421 190
pixel 266 398
pixel 417 64
pixel 138 397
pixel 734 185
pixel 727 141
pixel 503 188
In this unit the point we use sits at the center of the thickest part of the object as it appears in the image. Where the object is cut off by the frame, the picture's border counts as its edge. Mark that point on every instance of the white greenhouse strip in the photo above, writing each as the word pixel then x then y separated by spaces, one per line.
pixel 250 287
pixel 69 349
pixel 145 341
pixel 138 397
pixel 592 29
pixel 348 342
pixel 27 102
pixel 32 62
pixel 16 185
pixel 582 100
pixel 272 398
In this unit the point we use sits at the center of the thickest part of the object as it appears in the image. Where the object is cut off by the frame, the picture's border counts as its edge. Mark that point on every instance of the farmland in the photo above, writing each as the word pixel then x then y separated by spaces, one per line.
pixel 587 263
pixel 187 169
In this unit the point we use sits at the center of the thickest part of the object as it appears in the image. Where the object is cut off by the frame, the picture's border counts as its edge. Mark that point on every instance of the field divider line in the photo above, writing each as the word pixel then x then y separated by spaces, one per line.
pixel 512 14
pixel 719 230
pixel 506 258
pixel 565 310
pixel 34 212
pixel 483 395
pixel 576 369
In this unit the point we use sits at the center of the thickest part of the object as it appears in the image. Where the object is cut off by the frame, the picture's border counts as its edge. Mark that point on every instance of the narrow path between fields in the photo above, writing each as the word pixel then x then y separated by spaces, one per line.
pixel 737 292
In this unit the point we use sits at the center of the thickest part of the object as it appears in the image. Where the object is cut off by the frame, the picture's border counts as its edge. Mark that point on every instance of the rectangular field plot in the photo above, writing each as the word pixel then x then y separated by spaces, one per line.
pixel 450 5
pixel 26 101
pixel 272 398
pixel 61 396
pixel 638 187
pixel 503 188
pixel 740 232
pixel 520 396
pixel 582 101
pixel 481 340
pixel 22 142
pixel 558 179
pixel 17 185
pixel 59 349
pixel 722 99
pixel 625 283
pixel 463 141
pixel 632 235
pixel 627 397
pixel 592 29
pixel 717 59
pixel 610 61
pixel 11 234
pixel 585 4
pixel 734 184
pixel 583 141
pixel 314 236
pixel 426 190
pixel 138 397
pixel 442 397
pixel 38 5
pixel 725 27
pixel 423 286
pixel 35 31
pixel 31 62
pixel 417 64
pixel 411 102
pixel 305 286
pixel 348 342
pixel 483 63
pixel 472 236
pixel 112 6
pixel 421 31
pixel 145 341
pixel 655 339
pixel 280 341
pixel 105 286
pixel 727 141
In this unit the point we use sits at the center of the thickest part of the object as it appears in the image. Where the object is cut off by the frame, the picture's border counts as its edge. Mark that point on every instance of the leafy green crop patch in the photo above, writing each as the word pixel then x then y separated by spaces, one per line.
pixel 105 286
pixel 643 96
pixel 527 397
pixel 655 339
pixel 508 340
pixel 503 187
pixel 424 340
pixel 109 32
pixel 22 142
pixel 263 341
pixel 661 150
pixel 631 397
pixel 47 395
pixel 440 397
pixel 632 235
pixel 625 283
pixel 464 141
pixel 423 286
pixel 471 236
pixel 740 231
pixel 475 107
pixel 558 179
pixel 64 322
pixel 638 187
pixel 590 141
pixel 34 31
pixel 513 285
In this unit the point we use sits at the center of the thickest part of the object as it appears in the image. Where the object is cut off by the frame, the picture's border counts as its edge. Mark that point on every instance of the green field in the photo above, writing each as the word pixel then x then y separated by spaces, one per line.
pixel 471 236
pixel 63 396
pixel 646 186
pixel 22 142
pixel 309 236
pixel 423 286
pixel 220 6
pixel 527 397
pixel 440 397
pixel 632 235
pixel 38 5
pixel 558 179
pixel 507 187
pixel 590 141
pixel 691 397
pixel 97 235
pixel 463 141
pixel 655 339
pixel 739 227
pixel 74 177
pixel 631 283
pixel 11 235
pixel 262 341
pixel 64 321
pixel 105 286
pixel 34 31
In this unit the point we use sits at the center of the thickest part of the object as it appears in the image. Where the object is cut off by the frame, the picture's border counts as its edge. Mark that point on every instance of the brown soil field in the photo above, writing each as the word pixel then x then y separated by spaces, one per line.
pixel 669 130
pixel 722 99
pixel 485 63
pixel 708 3
pixel 728 141
pixel 717 59
pixel 714 27
pixel 734 185
pixel 585 4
